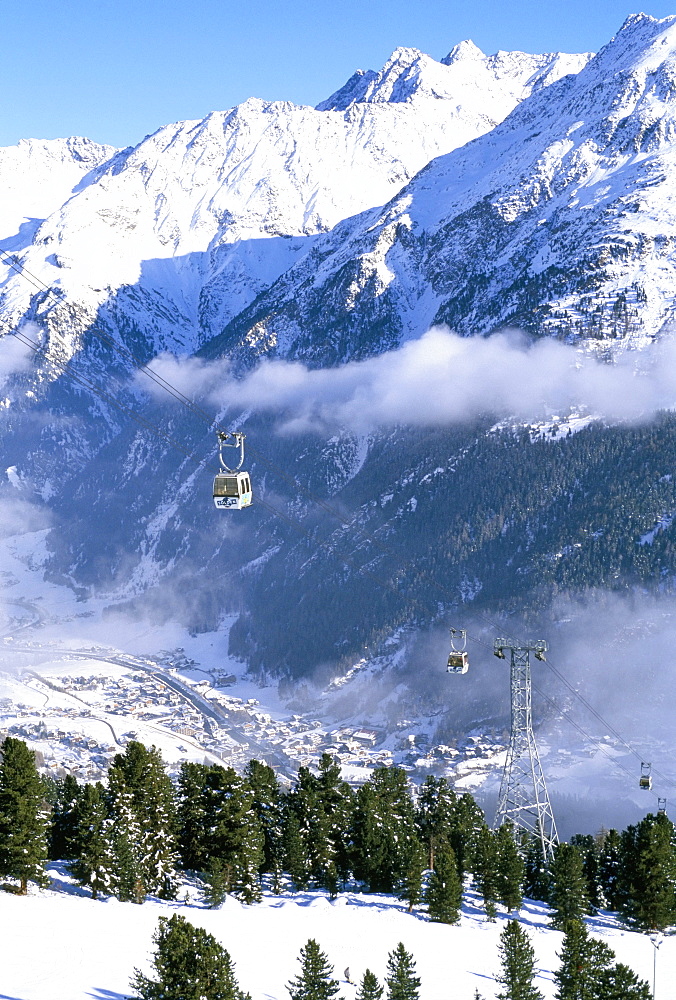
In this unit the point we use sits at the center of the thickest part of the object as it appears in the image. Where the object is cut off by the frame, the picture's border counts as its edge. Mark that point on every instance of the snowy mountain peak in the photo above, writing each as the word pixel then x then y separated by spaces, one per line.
pixel 464 50
pixel 466 75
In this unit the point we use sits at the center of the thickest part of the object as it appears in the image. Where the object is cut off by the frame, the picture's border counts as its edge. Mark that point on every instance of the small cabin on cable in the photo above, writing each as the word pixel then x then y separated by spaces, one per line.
pixel 458 663
pixel 232 487
pixel 232 490
pixel 458 659
pixel 645 781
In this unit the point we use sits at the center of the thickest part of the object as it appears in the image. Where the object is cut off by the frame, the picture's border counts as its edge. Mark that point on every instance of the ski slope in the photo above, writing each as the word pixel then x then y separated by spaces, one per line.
pixel 56 944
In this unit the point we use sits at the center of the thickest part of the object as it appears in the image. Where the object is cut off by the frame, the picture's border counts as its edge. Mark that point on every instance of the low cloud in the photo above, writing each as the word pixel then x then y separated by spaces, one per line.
pixel 19 516
pixel 438 380
pixel 15 356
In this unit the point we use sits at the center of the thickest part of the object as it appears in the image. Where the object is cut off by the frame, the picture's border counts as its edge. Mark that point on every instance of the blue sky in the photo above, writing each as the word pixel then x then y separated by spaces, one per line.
pixel 115 70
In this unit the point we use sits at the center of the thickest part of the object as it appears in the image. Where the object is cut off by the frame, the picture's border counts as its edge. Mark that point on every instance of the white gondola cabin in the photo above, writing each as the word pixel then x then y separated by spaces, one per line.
pixel 458 659
pixel 645 781
pixel 232 490
pixel 232 487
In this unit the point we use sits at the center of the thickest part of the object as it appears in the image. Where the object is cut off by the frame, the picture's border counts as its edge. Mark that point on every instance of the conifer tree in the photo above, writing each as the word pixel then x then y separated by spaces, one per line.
pixel 122 835
pixel 267 804
pixel 189 964
pixel 517 959
pixel 468 819
pixel 412 884
pixel 383 830
pixel 235 837
pixel 154 807
pixel 402 982
pixel 444 892
pixel 485 865
pixel 537 876
pixel 652 876
pixel 369 988
pixel 314 981
pixel 304 802
pixel 619 982
pixel 588 848
pixel 510 868
pixel 588 970
pixel 436 814
pixel 337 802
pixel 62 841
pixel 191 816
pixel 583 963
pixel 296 862
pixel 23 816
pixel 568 896
pixel 93 863
pixel 609 864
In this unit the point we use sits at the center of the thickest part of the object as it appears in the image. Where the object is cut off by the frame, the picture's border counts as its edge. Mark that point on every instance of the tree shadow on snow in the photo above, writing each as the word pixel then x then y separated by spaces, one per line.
pixel 101 994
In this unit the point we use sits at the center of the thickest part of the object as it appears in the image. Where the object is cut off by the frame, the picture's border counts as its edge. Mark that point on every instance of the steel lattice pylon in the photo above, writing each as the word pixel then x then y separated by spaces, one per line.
pixel 523 793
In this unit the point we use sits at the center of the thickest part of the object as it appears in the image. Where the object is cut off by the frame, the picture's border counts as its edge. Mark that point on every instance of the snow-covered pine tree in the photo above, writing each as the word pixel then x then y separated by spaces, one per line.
pixel 62 834
pixel 23 816
pixel 235 842
pixel 296 861
pixel 517 961
pixel 267 803
pixel 609 864
pixel 191 816
pixel 402 982
pixel 468 819
pixel 93 863
pixel 336 803
pixel 537 876
pixel 444 892
pixel 510 868
pixel 189 964
pixel 568 895
pixel 304 803
pixel 411 889
pixel 383 829
pixel 485 864
pixel 369 988
pixel 436 814
pixel 314 981
pixel 589 849
pixel 155 809
pixel 124 843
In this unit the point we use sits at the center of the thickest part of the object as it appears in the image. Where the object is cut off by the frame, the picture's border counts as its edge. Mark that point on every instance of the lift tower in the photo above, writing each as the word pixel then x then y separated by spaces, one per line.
pixel 523 793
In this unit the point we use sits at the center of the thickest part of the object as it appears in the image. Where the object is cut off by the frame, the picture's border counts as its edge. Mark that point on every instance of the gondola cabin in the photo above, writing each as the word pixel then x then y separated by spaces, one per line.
pixel 232 490
pixel 458 663
pixel 645 781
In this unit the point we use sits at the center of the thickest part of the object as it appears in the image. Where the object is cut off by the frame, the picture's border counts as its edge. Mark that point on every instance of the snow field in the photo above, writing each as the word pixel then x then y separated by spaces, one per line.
pixel 56 944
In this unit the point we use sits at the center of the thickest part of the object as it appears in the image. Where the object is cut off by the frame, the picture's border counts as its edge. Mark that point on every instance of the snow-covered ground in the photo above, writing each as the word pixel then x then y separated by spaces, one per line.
pixel 56 944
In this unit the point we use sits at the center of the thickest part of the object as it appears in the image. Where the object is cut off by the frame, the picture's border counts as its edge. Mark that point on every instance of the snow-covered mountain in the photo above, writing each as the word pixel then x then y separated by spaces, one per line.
pixel 201 217
pixel 38 176
pixel 560 221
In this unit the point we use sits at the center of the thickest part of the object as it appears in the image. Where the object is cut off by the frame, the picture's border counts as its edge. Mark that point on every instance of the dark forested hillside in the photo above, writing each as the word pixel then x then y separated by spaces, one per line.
pixel 477 519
